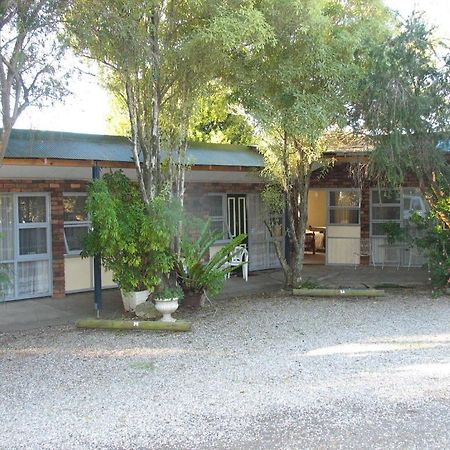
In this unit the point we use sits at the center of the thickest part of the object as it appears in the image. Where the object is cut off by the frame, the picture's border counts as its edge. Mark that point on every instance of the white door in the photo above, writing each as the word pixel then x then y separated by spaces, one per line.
pixel 25 245
pixel 343 226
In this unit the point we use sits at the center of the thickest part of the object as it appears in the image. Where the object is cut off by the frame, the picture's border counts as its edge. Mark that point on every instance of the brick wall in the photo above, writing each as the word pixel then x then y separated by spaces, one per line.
pixel 56 190
pixel 337 176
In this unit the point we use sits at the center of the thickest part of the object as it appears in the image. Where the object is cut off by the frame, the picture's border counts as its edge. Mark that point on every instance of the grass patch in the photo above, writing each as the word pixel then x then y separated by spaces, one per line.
pixel 310 284
pixel 142 365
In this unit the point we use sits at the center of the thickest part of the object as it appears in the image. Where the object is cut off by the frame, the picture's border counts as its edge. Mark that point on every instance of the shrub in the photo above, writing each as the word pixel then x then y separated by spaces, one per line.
pixel 434 242
pixel 132 239
pixel 194 273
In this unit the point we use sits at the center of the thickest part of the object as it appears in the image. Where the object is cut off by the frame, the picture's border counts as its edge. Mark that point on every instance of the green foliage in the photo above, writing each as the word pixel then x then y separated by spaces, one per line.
pixel 405 109
pixel 298 87
pixel 434 242
pixel 215 120
pixel 194 273
pixel 310 284
pixel 168 294
pixel 394 232
pixel 31 59
pixel 5 281
pixel 431 237
pixel 161 55
pixel 273 199
pixel 133 239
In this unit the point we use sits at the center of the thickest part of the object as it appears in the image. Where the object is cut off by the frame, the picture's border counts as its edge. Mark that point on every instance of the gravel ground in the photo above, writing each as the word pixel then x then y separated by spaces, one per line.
pixel 260 373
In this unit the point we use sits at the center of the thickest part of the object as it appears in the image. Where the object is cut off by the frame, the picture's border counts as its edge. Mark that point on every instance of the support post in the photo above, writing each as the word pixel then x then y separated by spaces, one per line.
pixel 96 174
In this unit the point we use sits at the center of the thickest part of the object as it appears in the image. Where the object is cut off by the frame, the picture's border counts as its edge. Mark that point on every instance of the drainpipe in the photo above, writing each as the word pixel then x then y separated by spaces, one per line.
pixel 96 174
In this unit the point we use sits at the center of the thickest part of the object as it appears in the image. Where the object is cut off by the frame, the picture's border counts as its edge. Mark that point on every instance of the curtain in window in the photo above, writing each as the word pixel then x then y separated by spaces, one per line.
pixel 33 278
pixel 6 228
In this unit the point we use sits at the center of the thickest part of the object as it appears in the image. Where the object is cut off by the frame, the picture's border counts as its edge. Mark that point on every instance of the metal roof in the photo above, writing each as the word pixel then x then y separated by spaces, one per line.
pixel 75 146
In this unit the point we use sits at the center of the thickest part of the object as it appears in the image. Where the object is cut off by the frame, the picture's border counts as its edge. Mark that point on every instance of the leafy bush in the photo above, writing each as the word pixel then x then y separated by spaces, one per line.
pixel 167 294
pixel 194 273
pixel 431 237
pixel 434 242
pixel 133 239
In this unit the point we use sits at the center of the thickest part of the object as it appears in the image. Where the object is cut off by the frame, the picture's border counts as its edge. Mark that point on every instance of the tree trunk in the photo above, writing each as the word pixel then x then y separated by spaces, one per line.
pixel 299 213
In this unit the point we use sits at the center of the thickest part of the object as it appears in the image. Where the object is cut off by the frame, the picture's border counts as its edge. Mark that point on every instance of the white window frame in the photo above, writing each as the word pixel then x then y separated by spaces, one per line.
pixel 337 208
pixel 18 258
pixel 388 205
pixel 74 224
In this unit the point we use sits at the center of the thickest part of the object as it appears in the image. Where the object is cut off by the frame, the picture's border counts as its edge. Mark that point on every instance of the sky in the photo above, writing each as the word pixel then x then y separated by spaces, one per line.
pixel 86 108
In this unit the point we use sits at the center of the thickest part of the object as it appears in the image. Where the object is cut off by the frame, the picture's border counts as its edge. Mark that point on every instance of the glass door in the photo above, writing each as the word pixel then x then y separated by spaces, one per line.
pixel 237 214
pixel 25 249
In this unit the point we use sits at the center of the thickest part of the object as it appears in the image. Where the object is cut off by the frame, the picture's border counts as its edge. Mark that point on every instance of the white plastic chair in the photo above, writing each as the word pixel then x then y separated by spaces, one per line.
pixel 239 258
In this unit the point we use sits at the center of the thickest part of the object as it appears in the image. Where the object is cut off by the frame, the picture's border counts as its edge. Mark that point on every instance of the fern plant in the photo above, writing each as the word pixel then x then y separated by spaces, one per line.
pixel 194 273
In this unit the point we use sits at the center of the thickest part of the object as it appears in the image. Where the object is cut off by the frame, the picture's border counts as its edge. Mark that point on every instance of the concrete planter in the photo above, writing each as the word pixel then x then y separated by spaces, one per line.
pixel 132 299
pixel 166 307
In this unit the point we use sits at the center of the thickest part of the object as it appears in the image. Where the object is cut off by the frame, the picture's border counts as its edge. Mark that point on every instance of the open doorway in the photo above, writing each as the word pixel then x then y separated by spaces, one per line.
pixel 315 239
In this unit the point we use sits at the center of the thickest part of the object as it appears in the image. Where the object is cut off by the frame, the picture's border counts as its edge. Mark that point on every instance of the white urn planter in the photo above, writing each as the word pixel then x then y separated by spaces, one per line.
pixel 166 307
pixel 132 299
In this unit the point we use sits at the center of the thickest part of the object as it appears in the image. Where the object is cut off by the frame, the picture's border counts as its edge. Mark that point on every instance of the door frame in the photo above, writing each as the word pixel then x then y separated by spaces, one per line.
pixel 30 258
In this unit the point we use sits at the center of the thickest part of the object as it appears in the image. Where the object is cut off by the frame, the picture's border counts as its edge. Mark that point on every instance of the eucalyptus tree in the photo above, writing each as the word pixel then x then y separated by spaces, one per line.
pixel 218 119
pixel 299 86
pixel 405 111
pixel 159 56
pixel 30 59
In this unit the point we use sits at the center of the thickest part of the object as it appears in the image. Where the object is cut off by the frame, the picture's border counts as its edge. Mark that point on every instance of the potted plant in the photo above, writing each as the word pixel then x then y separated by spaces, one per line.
pixel 198 276
pixel 166 302
pixel 132 238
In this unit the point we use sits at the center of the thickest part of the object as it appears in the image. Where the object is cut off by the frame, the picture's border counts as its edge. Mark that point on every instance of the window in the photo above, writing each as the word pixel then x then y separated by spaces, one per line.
pixel 214 206
pixel 343 207
pixel 76 222
pixel 413 202
pixel 385 208
pixel 26 244
pixel 33 226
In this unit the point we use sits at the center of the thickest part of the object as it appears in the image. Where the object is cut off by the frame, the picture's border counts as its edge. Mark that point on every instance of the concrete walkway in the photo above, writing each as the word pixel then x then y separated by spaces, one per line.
pixel 44 312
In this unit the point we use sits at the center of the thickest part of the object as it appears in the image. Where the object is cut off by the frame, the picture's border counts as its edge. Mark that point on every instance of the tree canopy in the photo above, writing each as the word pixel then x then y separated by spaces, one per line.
pixel 30 54
pixel 404 109
pixel 299 87
pixel 161 55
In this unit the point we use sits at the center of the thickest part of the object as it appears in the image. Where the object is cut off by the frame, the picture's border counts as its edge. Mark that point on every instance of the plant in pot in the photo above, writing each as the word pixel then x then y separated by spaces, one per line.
pixel 166 302
pixel 133 239
pixel 196 275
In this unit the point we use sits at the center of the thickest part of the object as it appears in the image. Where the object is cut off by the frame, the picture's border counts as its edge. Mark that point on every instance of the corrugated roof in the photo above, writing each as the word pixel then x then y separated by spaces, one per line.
pixel 62 145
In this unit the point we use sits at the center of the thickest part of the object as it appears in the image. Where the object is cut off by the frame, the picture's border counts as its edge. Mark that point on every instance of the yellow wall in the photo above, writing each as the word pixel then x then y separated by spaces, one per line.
pixel 79 274
pixel 317 208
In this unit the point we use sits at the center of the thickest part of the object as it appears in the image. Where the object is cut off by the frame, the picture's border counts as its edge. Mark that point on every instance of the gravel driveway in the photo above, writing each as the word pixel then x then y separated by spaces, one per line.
pixel 269 373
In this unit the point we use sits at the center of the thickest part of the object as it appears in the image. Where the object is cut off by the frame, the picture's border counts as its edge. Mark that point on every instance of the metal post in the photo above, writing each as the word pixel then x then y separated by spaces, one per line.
pixel 96 174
